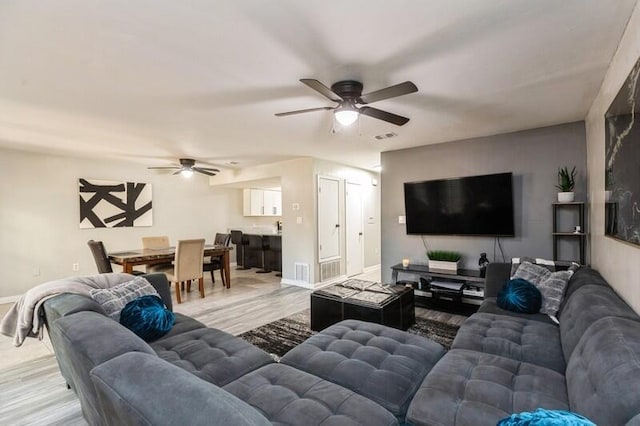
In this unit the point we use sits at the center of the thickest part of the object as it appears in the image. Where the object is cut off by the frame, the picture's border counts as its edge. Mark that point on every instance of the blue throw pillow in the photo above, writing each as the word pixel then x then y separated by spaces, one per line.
pixel 147 317
pixel 542 417
pixel 520 296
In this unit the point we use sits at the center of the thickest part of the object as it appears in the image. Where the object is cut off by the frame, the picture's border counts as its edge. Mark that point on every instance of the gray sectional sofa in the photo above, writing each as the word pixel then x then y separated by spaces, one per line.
pixel 360 373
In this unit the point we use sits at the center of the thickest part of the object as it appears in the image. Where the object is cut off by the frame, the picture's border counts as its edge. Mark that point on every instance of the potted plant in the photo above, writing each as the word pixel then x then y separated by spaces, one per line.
pixel 444 262
pixel 566 183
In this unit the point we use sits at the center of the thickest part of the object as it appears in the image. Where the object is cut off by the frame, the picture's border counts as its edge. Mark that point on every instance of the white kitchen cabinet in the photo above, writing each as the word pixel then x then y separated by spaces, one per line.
pixel 262 202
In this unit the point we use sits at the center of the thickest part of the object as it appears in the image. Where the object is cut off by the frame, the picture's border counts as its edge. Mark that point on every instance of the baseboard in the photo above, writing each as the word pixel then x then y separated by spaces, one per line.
pixel 8 299
pixel 296 283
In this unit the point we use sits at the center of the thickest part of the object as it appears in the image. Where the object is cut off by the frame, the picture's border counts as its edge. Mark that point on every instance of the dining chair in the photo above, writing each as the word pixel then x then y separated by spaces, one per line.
pixel 187 266
pixel 102 259
pixel 160 242
pixel 215 262
pixel 156 243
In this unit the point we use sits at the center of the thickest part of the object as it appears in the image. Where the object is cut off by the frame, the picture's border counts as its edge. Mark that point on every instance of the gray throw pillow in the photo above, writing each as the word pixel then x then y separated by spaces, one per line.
pixel 115 298
pixel 551 284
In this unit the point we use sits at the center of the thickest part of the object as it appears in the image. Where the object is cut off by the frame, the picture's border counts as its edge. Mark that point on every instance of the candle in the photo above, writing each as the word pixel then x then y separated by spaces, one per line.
pixel 405 263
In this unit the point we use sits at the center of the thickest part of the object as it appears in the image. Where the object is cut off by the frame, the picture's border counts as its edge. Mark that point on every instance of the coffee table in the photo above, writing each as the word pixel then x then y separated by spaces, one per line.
pixel 390 305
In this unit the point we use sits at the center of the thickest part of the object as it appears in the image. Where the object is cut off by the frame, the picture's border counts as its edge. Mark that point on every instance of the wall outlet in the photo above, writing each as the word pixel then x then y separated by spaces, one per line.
pixel 75 267
pixel 295 206
pixel 299 220
pixel 402 220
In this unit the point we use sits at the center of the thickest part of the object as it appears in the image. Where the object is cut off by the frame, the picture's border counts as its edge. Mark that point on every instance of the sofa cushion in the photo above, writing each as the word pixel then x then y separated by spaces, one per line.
pixel 550 284
pixel 588 304
pixel 287 396
pixel 183 324
pixel 490 306
pixel 381 363
pixel 468 388
pixel 546 417
pixel 147 317
pixel 520 296
pixel 139 389
pixel 603 374
pixel 115 298
pixel 211 354
pixel 516 338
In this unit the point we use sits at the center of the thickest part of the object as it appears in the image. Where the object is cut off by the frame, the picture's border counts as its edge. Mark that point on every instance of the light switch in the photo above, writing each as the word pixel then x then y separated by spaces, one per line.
pixel 299 220
pixel 402 220
pixel 295 206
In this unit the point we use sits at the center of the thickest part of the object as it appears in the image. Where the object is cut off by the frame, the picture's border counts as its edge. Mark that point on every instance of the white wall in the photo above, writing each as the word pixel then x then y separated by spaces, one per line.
pixel 298 182
pixel 39 215
pixel 618 262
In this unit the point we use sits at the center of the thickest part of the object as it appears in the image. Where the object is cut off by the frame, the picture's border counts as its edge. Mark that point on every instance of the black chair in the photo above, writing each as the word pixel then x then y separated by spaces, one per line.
pixel 102 260
pixel 215 262
pixel 273 255
pixel 241 242
pixel 254 253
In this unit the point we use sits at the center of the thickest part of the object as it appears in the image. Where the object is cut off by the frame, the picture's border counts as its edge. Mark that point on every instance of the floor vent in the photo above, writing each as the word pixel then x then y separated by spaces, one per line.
pixel 302 272
pixel 329 270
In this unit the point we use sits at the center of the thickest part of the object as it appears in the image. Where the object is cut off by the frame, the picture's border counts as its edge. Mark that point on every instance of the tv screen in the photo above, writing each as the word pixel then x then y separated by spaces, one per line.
pixel 474 205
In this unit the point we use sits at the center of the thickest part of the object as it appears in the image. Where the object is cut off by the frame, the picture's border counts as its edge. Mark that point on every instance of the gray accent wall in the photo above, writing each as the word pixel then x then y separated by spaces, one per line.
pixel 533 156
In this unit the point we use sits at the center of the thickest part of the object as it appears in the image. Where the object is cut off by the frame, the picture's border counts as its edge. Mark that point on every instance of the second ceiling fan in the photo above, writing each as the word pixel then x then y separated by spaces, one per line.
pixel 348 95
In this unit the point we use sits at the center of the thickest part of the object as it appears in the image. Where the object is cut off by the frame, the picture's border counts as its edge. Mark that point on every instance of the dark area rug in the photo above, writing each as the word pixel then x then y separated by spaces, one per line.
pixel 280 336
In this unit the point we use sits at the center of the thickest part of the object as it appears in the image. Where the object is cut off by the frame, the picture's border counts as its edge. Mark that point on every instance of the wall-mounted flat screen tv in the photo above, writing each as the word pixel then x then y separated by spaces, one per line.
pixel 474 205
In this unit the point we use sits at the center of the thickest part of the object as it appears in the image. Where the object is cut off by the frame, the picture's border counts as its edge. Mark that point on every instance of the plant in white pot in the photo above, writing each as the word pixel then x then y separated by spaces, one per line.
pixel 444 262
pixel 566 183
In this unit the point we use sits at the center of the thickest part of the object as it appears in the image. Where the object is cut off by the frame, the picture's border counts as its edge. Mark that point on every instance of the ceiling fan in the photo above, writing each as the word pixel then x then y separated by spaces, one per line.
pixel 187 167
pixel 348 95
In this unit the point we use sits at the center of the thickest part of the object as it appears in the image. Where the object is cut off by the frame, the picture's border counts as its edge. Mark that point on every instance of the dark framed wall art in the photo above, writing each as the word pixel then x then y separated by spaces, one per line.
pixel 622 162
pixel 110 204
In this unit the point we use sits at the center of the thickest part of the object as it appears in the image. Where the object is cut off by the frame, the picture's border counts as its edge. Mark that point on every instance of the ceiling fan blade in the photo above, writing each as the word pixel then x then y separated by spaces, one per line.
pixel 209 169
pixel 322 89
pixel 178 172
pixel 203 171
pixel 300 111
pixel 164 168
pixel 398 120
pixel 388 92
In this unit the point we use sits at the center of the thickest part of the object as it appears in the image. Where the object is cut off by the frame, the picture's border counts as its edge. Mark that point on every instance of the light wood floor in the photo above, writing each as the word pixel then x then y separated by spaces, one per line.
pixel 32 391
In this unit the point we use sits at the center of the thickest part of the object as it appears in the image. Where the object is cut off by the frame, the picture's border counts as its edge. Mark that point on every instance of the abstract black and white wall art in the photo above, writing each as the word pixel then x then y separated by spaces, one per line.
pixel 622 162
pixel 111 204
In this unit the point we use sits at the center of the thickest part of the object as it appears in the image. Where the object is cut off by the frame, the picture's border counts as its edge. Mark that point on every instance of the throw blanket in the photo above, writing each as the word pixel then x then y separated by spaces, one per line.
pixel 25 318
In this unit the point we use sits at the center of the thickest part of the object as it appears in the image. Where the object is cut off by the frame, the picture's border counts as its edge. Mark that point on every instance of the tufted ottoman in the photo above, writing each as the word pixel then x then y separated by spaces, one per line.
pixel 212 355
pixel 286 396
pixel 381 363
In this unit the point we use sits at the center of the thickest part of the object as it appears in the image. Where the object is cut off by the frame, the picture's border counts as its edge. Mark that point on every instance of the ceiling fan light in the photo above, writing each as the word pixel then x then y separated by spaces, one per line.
pixel 186 173
pixel 346 116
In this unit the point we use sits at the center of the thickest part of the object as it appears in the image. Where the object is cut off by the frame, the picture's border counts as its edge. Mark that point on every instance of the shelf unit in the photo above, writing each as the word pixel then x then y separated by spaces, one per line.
pixel 474 283
pixel 580 237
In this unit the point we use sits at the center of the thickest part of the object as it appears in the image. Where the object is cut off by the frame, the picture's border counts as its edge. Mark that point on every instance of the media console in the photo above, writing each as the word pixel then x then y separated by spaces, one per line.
pixel 466 284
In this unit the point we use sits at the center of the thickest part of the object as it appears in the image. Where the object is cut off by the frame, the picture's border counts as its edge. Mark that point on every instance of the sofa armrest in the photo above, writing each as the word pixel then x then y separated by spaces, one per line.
pixel 161 284
pixel 136 388
pixel 497 275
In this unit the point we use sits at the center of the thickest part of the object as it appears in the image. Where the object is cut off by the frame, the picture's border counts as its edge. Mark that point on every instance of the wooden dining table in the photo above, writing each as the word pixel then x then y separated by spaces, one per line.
pixel 130 258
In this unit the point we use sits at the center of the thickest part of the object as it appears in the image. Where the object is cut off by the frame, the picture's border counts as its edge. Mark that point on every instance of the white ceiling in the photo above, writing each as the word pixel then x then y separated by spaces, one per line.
pixel 156 80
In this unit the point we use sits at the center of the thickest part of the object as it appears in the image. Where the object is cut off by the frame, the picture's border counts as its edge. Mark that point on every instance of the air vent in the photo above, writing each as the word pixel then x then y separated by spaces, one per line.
pixel 302 272
pixel 386 136
pixel 329 270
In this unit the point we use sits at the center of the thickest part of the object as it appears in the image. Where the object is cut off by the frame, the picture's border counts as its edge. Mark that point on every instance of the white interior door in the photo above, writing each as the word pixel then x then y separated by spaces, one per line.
pixel 328 219
pixel 354 231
